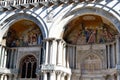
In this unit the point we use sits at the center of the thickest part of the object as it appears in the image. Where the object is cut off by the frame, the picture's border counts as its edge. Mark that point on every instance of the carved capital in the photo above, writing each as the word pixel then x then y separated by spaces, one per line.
pixel 58 72
pixel 63 74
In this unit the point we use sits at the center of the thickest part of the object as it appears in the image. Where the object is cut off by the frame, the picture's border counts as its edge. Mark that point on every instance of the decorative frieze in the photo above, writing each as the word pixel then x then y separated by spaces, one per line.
pixel 8 71
pixel 51 68
pixel 22 4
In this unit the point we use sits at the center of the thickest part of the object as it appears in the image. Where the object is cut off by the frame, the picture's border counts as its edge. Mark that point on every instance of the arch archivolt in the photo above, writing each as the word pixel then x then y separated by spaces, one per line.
pixel 106 12
pixel 14 17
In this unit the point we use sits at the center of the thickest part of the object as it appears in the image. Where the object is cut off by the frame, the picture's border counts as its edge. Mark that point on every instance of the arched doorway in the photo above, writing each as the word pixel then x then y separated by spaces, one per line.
pixel 28 67
pixel 88 34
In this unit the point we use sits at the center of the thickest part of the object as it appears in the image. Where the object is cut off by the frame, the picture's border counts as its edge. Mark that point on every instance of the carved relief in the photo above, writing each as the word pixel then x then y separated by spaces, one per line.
pixel 93 58
pixel 91 63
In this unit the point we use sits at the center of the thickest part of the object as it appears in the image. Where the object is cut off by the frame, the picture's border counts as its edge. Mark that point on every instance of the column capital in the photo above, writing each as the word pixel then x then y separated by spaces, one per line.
pixel 118 71
pixel 59 72
pixel 62 41
pixel 63 74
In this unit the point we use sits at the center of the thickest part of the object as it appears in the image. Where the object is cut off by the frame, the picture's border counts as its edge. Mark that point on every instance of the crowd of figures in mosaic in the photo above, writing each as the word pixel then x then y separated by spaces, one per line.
pixel 92 34
pixel 31 36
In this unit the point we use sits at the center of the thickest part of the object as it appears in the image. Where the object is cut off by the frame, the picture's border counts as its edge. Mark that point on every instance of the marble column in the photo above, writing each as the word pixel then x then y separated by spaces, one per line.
pixel 67 56
pixel 60 53
pixel 112 77
pixel 50 52
pixel 69 77
pixel 64 55
pixel 59 75
pixel 113 55
pixel 118 56
pixel 118 49
pixel 45 76
pixel 63 76
pixel 52 75
pixel 2 77
pixel 108 56
pixel 14 77
pixel 118 75
pixel 53 52
pixel 46 54
pixel 5 77
pixel 3 56
pixel 15 58
pixel 104 77
pixel 1 50
pixel 9 77
pixel 12 58
pixel 24 1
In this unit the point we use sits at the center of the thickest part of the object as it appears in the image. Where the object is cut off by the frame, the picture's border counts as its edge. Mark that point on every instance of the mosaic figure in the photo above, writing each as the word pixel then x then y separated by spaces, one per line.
pixel 27 38
pixel 91 35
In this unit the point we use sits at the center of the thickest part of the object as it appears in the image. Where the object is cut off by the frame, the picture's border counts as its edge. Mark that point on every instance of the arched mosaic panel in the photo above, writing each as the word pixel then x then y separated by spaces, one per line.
pixel 89 29
pixel 23 33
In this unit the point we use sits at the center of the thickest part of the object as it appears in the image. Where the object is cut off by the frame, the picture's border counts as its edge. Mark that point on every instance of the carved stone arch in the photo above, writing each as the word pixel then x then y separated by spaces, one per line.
pixel 19 16
pixel 81 54
pixel 93 52
pixel 86 11
pixel 23 55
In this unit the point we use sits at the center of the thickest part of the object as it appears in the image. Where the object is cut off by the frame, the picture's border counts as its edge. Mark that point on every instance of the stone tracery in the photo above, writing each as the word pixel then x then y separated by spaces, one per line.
pixel 91 63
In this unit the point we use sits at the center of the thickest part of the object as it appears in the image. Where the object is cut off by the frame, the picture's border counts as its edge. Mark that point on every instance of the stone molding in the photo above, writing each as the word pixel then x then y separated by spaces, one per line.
pixel 56 68
pixel 8 71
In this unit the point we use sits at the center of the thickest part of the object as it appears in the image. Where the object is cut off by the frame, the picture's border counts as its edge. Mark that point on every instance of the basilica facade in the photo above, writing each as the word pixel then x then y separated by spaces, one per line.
pixel 59 39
